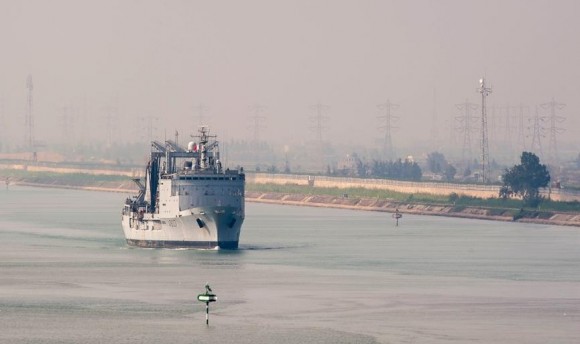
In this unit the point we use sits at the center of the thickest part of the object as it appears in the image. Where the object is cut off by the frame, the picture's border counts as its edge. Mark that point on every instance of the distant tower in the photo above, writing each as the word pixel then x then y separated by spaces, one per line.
pixel 485 91
pixel 83 116
pixel 109 126
pixel 66 125
pixel 201 115
pixel 537 133
pixel 319 120
pixel 435 124
pixel 3 130
pixel 387 120
pixel 257 121
pixel 553 130
pixel 256 125
pixel 29 120
pixel 508 135
pixel 111 122
pixel 466 127
pixel 150 123
pixel 521 144
pixel 451 133
pixel 493 113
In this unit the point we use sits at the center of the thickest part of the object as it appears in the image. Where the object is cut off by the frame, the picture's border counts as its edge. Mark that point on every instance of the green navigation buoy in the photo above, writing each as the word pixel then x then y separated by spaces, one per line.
pixel 207 297
pixel 397 215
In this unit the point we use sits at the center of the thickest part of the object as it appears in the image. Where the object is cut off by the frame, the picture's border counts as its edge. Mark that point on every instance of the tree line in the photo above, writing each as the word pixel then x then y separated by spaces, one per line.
pixel 398 169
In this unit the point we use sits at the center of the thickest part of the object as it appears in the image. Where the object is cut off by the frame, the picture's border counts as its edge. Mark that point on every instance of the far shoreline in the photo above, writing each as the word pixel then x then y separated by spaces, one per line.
pixel 361 204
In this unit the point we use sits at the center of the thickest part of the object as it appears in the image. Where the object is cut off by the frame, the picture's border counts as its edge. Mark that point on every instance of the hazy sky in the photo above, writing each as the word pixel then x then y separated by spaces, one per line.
pixel 164 58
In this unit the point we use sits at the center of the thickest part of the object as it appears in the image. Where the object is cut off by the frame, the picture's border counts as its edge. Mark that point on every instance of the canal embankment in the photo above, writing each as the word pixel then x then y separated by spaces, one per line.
pixel 111 182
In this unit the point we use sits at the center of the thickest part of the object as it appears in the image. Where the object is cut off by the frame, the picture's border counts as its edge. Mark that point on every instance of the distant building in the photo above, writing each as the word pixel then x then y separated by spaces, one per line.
pixel 349 166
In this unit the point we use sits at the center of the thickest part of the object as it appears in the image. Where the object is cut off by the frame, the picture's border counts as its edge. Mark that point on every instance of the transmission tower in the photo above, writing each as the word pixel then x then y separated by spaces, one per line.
pixel 521 144
pixel 150 125
pixel 388 119
pixel 451 133
pixel 553 130
pixel 3 125
pixel 29 120
pixel 256 125
pixel 467 126
pixel 508 147
pixel 66 124
pixel 257 121
pixel 435 124
pixel 319 120
pixel 538 131
pixel 82 116
pixel 318 126
pixel 492 122
pixel 485 91
pixel 110 116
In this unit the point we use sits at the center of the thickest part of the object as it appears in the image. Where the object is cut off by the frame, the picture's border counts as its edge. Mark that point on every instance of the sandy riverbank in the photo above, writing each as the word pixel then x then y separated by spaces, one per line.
pixel 364 204
pixel 373 204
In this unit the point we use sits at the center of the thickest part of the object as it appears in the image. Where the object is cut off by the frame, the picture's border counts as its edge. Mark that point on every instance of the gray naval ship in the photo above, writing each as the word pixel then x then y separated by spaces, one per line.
pixel 188 199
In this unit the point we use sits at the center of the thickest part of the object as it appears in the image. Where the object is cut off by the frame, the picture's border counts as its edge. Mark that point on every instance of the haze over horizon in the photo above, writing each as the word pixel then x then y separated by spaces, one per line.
pixel 164 59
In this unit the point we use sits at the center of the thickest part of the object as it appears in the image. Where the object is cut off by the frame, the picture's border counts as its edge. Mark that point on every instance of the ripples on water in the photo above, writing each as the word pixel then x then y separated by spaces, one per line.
pixel 301 275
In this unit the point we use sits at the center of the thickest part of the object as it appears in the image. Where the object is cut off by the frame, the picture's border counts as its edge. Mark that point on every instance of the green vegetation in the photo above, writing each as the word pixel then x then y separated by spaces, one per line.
pixel 436 162
pixel 495 206
pixel 398 170
pixel 351 192
pixel 525 180
pixel 439 165
pixel 513 206
pixel 60 178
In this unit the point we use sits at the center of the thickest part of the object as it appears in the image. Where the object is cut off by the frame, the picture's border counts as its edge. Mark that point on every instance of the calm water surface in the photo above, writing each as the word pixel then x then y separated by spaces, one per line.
pixel 301 275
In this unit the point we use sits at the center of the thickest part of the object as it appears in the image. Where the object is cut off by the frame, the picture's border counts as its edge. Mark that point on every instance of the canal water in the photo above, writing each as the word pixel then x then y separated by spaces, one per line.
pixel 301 275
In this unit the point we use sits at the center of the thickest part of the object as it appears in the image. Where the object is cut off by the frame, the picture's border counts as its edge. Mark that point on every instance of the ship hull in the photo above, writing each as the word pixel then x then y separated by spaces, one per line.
pixel 187 199
pixel 227 245
pixel 202 227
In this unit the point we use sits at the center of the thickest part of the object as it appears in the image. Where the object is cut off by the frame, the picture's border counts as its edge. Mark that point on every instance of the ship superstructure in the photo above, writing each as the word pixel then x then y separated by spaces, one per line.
pixel 187 198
